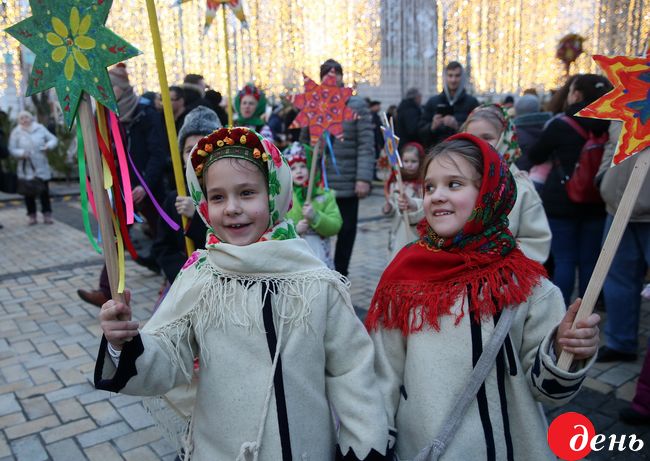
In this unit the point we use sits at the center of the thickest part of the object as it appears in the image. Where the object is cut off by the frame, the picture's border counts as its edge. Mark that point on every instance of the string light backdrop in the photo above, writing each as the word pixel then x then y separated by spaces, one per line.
pixel 507 45
pixel 284 39
pixel 510 45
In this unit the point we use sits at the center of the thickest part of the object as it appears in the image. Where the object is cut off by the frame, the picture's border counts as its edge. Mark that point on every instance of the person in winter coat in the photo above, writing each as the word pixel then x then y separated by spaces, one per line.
pixel 527 220
pixel 529 122
pixel 355 158
pixel 169 247
pixel 436 307
pixel 278 343
pixel 29 143
pixel 409 112
pixel 624 281
pixel 577 228
pixel 444 113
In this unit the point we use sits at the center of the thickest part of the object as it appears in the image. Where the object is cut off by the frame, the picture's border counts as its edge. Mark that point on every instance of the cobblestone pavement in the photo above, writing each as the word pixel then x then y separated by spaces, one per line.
pixel 49 409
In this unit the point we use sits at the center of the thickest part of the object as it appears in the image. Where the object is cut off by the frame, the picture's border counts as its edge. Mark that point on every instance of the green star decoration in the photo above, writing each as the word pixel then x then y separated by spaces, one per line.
pixel 73 48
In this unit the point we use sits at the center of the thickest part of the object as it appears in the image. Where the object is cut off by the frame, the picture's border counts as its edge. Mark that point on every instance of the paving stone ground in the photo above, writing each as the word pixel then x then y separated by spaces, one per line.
pixel 49 409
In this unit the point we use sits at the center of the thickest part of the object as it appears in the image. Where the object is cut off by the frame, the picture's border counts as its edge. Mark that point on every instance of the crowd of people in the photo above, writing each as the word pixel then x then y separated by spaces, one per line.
pixel 488 244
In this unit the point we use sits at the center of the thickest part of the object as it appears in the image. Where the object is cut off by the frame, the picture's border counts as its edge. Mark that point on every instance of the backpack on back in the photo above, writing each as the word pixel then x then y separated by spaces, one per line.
pixel 581 186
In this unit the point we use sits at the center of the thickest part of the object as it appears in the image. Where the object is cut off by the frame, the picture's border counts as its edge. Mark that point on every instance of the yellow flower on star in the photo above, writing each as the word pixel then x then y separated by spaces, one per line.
pixel 70 43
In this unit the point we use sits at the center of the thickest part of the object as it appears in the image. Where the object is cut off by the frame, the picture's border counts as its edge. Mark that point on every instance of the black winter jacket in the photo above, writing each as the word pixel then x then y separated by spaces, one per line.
pixel 148 146
pixel 562 144
pixel 408 119
pixel 169 246
pixel 464 105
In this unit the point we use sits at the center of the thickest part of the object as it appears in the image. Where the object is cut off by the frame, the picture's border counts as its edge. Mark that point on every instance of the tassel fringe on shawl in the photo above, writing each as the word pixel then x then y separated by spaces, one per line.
pixel 409 305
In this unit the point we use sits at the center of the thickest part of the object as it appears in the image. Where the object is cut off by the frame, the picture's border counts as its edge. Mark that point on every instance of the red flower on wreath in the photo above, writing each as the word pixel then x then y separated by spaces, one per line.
pixel 323 107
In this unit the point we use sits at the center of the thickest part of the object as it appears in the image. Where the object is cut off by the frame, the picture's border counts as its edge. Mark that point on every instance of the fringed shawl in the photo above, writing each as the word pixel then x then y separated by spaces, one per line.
pixel 482 262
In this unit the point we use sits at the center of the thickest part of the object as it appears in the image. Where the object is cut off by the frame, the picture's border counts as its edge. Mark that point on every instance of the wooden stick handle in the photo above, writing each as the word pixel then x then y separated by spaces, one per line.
pixel 312 172
pixel 610 246
pixel 104 213
pixel 402 192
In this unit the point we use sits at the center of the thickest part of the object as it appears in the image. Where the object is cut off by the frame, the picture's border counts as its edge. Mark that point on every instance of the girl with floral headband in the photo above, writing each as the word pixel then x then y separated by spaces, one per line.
pixel 434 313
pixel 319 220
pixel 274 330
pixel 250 110
pixel 528 222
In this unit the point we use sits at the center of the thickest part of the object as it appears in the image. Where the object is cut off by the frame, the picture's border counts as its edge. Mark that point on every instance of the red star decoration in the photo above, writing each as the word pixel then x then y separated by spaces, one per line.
pixel 629 102
pixel 323 108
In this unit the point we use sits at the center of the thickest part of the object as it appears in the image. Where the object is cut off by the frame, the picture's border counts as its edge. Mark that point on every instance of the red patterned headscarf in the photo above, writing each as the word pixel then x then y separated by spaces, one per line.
pixel 482 262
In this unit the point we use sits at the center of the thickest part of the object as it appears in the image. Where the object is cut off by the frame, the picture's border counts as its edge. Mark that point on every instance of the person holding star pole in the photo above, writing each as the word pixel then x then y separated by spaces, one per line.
pixel 628 102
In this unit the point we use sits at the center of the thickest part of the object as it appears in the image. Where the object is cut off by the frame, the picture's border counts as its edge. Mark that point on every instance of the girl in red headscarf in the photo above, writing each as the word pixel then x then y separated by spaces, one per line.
pixel 436 308
pixel 409 202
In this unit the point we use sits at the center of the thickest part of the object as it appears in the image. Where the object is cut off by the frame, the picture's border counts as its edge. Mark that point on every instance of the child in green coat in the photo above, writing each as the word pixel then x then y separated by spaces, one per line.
pixel 318 220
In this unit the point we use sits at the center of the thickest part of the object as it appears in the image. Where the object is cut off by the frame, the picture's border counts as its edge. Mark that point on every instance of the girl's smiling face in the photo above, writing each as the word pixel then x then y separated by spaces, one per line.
pixel 238 201
pixel 451 187
pixel 483 129
pixel 411 161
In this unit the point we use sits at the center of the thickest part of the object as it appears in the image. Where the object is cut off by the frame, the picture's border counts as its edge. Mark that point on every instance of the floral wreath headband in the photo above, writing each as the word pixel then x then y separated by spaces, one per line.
pixel 250 90
pixel 239 142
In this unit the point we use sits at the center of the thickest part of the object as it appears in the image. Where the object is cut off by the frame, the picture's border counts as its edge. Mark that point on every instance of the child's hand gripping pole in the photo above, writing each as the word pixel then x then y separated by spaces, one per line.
pixel 312 171
pixel 104 213
pixel 115 320
pixel 400 185
pixel 610 246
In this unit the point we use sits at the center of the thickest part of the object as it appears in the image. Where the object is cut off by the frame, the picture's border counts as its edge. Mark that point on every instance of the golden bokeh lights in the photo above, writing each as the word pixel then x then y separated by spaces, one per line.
pixel 508 45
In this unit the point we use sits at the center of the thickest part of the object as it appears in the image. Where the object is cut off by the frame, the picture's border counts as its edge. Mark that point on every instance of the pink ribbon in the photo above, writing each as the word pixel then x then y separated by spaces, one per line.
pixel 124 170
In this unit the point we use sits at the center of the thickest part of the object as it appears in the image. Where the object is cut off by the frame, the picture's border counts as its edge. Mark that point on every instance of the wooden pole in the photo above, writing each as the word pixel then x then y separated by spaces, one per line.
pixel 312 171
pixel 177 164
pixel 227 54
pixel 104 212
pixel 610 246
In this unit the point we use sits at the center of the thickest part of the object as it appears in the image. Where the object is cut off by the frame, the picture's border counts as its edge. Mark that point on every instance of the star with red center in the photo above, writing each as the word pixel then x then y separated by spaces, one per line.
pixel 629 102
pixel 323 108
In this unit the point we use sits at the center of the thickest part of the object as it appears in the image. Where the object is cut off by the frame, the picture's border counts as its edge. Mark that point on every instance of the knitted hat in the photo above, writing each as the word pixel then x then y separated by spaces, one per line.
pixel 527 104
pixel 201 121
pixel 295 153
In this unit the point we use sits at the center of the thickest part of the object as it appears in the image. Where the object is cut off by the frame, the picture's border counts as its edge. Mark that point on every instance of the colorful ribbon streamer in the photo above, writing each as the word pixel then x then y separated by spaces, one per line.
pixel 124 169
pixel 83 183
pixel 170 222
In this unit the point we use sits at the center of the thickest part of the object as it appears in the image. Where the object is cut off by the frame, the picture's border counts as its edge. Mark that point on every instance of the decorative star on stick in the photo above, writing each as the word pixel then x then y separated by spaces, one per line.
pixel 73 48
pixel 391 141
pixel 323 107
pixel 629 102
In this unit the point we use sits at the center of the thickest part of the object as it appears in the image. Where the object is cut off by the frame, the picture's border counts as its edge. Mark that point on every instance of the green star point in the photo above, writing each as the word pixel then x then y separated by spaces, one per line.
pixel 73 48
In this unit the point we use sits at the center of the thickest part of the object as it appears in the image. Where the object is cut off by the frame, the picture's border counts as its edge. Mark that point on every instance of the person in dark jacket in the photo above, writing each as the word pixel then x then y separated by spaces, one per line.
pixel 444 113
pixel 577 228
pixel 409 112
pixel 169 247
pixel 529 122
pixel 355 158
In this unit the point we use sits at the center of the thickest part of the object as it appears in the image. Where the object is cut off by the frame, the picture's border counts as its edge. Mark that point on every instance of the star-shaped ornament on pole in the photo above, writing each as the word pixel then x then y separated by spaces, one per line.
pixel 628 102
pixel 323 110
pixel 73 48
